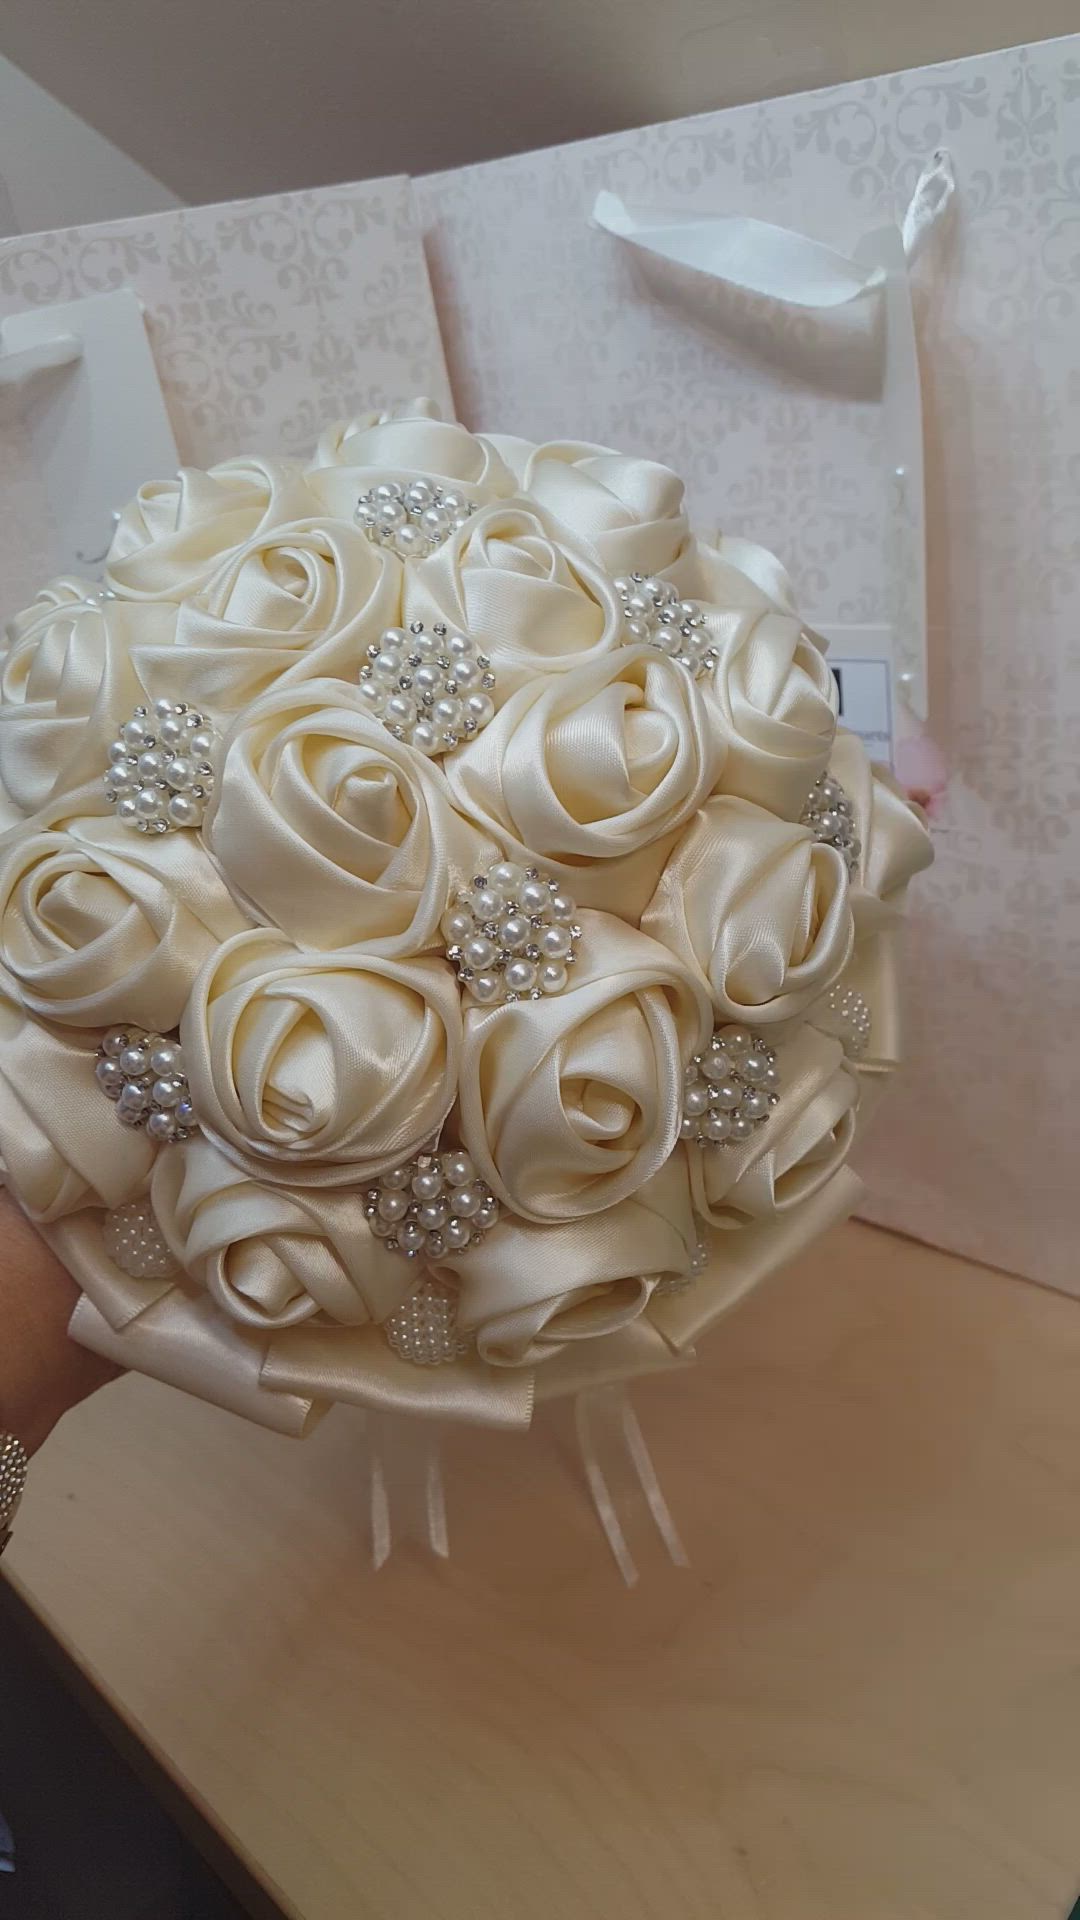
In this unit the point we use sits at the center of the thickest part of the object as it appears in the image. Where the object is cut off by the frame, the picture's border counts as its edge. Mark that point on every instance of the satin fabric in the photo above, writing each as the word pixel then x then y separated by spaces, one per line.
pixel 360 454
pixel 894 840
pixel 100 926
pixel 570 1104
pixel 334 831
pixel 67 681
pixel 320 1069
pixel 758 907
pixel 295 602
pixel 629 513
pixel 357 1366
pixel 171 537
pixel 593 773
pixel 796 1150
pixel 534 605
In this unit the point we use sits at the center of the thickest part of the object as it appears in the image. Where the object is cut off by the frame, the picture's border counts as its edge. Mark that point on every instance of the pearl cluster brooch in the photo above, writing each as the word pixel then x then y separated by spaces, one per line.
pixel 831 818
pixel 135 1243
pixel 729 1089
pixel 424 1328
pixel 144 1074
pixel 655 613
pixel 513 935
pixel 845 1014
pixel 160 774
pixel 412 517
pixel 431 1206
pixel 430 689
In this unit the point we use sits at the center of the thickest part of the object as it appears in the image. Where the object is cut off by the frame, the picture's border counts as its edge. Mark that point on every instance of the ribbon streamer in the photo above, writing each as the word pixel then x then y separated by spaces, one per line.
pixel 609 1409
pixel 404 1485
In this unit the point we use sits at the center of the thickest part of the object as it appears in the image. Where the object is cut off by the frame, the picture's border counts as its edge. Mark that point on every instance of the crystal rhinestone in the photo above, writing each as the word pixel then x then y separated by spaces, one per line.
pixel 654 613
pixel 134 1242
pixel 508 935
pixel 143 1075
pixel 830 817
pixel 431 1205
pixel 678 1282
pixel 845 1014
pixel 161 768
pixel 424 1328
pixel 413 517
pixel 429 688
pixel 729 1089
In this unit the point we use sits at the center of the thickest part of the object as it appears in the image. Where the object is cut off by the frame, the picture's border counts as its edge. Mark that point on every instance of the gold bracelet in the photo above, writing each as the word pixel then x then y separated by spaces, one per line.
pixel 13 1466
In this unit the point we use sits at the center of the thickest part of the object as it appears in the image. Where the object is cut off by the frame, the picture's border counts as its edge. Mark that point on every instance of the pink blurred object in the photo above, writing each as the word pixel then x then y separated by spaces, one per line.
pixel 921 771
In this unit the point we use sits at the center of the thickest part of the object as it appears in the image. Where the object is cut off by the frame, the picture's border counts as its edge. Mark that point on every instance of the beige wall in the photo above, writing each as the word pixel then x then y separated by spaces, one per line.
pixel 222 97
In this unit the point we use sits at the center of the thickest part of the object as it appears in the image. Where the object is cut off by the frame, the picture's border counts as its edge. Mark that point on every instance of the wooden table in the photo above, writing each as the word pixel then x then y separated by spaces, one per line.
pixel 862 1702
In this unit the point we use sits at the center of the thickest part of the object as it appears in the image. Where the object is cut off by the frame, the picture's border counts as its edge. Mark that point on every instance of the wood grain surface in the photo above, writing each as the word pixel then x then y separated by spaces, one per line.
pixel 861 1702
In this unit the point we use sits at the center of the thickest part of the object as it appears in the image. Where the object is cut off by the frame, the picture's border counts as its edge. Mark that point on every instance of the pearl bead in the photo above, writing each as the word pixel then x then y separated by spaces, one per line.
pixel 148 803
pixel 110 1076
pixel 185 1111
pixel 165 1059
pixel 424 737
pixel 397 1178
pixel 150 765
pixel 728 1095
pixel 737 1040
pixel 696 1101
pixel 426 678
pixel 480 952
pixel 480 708
pixel 715 1066
pixel 515 932
pixel 135 1060
pixel 183 810
pixel 718 1126
pixel 756 1106
pixel 163 707
pixel 552 977
pixel 433 1215
pixel 408 541
pixel 135 732
pixel 166 1093
pixel 466 674
pixel 466 1201
pixel 456 926
pixel 447 712
pixel 428 1184
pixel 754 1067
pixel 741 1128
pixel 555 943
pixel 390 664
pixel 161 1127
pixel 520 976
pixel 458 1168
pixel 486 1216
pixel 115 1041
pixel 561 907
pixel 201 742
pixel 393 1205
pixel 419 494
pixel 127 809
pixel 534 896
pixel 507 877
pixel 400 710
pixel 171 730
pixel 486 988
pixel 412 1238
pixel 457 1235
pixel 486 903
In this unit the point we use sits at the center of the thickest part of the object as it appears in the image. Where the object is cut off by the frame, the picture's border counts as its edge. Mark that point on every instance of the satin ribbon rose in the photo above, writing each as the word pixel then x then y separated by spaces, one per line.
pixel 333 830
pixel 593 773
pixel 533 604
pixel 67 682
pixel 270 1257
pixel 772 691
pixel 100 925
pixel 320 1069
pixel 758 906
pixel 57 1154
pixel 571 1104
pixel 795 1151
pixel 894 844
pixel 174 533
pixel 527 1292
pixel 630 514
pixel 295 602
pixel 356 455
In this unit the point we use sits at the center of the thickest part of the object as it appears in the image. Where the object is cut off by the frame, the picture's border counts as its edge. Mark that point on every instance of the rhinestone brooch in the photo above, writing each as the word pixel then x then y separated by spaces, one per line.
pixel 424 1328
pixel 431 1206
pixel 512 935
pixel 412 517
pixel 143 1073
pixel 135 1243
pixel 845 1014
pixel 729 1089
pixel 160 773
pixel 431 689
pixel 654 613
pixel 830 817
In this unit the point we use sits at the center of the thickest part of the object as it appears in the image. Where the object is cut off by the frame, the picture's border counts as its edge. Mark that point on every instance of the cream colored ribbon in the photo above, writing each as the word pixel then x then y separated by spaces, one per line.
pixel 607 1425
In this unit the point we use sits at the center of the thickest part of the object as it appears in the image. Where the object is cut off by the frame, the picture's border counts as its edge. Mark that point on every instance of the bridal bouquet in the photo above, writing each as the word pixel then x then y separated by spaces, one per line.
pixel 446 944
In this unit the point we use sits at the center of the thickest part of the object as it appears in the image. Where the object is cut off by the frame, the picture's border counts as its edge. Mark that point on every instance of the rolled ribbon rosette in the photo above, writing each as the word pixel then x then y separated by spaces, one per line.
pixel 445 940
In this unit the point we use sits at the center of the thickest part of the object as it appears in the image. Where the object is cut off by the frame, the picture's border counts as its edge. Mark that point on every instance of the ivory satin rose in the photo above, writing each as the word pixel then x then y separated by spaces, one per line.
pixel 593 772
pixel 795 1151
pixel 629 513
pixel 320 1069
pixel 533 604
pixel 356 455
pixel 53 1150
pixel 173 535
pixel 67 676
pixel 758 906
pixel 270 1257
pixel 571 1104
pixel 297 602
pixel 528 1291
pixel 894 842
pixel 333 830
pixel 100 925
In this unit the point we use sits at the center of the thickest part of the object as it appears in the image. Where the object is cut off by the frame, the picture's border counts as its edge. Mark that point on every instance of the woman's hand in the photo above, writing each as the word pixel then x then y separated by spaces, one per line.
pixel 42 1372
